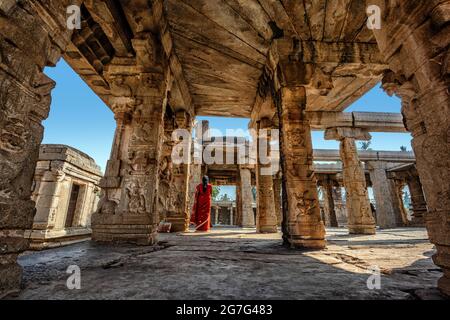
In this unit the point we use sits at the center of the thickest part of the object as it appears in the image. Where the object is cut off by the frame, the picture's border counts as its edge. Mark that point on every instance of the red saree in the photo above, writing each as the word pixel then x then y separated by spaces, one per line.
pixel 201 213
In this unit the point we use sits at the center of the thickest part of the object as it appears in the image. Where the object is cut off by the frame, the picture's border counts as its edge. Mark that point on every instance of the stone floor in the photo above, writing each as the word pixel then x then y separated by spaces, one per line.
pixel 232 263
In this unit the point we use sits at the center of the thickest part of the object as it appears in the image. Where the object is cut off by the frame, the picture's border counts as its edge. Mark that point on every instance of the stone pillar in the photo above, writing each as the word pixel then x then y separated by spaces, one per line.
pixel 329 208
pixel 49 195
pixel 266 220
pixel 360 218
pixel 302 223
pixel 238 205
pixel 248 218
pixel 26 48
pixel 414 42
pixel 277 199
pixel 231 216
pixel 419 205
pixel 129 209
pixel 216 218
pixel 177 194
pixel 384 197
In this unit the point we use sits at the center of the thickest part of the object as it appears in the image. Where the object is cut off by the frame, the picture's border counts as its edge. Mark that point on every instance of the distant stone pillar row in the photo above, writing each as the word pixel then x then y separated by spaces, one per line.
pixel 360 218
pixel 231 216
pixel 216 215
pixel 266 219
pixel 248 218
pixel 329 207
pixel 385 198
pixel 419 204
pixel 302 223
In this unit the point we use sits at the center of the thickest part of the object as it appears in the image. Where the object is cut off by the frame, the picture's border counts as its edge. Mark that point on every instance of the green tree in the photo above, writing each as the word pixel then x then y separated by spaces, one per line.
pixel 365 145
pixel 403 149
pixel 254 193
pixel 215 192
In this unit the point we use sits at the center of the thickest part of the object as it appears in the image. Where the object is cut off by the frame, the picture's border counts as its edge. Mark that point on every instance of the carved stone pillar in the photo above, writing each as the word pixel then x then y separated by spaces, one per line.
pixel 277 199
pixel 266 220
pixel 177 192
pixel 360 218
pixel 26 48
pixel 419 205
pixel 248 218
pixel 330 212
pixel 302 223
pixel 414 41
pixel 382 190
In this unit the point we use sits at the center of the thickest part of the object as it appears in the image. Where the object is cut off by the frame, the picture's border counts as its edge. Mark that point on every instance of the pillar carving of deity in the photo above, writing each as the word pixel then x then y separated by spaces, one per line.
pixel 385 200
pixel 26 48
pixel 302 223
pixel 266 219
pixel 128 210
pixel 417 52
pixel 360 218
pixel 248 218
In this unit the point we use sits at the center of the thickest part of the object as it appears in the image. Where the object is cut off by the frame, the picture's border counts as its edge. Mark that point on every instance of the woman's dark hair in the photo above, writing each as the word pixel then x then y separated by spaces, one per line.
pixel 205 181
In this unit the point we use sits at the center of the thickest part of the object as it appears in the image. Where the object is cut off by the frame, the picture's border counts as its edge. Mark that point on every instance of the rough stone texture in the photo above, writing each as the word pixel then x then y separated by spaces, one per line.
pixel 238 264
pixel 414 41
pixel 60 169
pixel 360 218
pixel 26 47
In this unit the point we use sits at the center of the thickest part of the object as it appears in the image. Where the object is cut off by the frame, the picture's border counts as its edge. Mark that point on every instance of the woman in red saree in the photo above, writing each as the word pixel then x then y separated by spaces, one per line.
pixel 201 213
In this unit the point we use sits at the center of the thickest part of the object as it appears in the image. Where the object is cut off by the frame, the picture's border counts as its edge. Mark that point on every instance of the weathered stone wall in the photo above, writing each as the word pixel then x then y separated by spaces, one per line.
pixel 33 35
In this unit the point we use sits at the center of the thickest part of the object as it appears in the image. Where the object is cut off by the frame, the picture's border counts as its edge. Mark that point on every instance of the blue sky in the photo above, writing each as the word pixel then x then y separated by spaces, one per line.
pixel 80 119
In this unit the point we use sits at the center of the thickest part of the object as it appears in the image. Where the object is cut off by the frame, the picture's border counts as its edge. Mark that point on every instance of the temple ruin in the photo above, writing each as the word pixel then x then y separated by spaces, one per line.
pixel 292 66
pixel 66 193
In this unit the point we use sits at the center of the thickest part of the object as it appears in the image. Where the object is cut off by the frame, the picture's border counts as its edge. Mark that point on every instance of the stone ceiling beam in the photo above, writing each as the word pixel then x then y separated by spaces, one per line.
pixel 372 121
pixel 109 15
pixel 174 62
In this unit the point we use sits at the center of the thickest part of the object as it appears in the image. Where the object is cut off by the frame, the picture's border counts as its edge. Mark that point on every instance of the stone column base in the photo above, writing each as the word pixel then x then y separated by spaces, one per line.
pixel 137 234
pixel 313 244
pixel 178 224
pixel 268 229
pixel 362 229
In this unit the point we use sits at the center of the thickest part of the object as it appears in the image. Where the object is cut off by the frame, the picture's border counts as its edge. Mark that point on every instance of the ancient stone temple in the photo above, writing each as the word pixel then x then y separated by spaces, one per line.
pixel 66 193
pixel 289 66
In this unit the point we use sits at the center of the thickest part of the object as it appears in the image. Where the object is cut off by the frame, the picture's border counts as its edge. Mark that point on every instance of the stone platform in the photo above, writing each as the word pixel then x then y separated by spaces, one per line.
pixel 233 263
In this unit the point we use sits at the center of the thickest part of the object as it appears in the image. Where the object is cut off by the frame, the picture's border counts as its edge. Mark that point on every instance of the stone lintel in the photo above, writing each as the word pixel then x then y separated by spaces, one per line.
pixel 341 133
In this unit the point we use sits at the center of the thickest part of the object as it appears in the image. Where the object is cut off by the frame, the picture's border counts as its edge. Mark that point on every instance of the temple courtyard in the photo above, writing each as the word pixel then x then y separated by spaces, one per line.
pixel 236 263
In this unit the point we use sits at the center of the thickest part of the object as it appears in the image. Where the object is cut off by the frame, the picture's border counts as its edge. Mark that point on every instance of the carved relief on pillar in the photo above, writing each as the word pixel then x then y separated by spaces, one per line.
pixel 302 223
pixel 174 177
